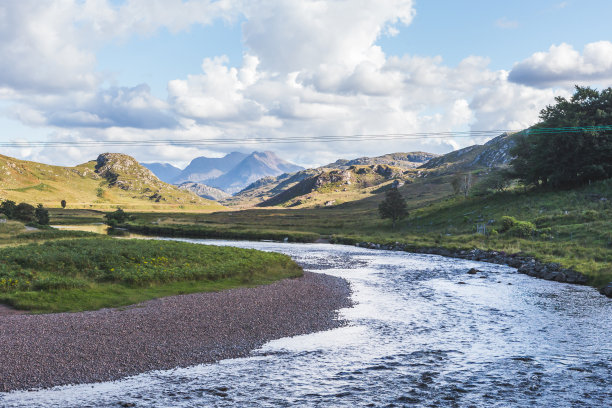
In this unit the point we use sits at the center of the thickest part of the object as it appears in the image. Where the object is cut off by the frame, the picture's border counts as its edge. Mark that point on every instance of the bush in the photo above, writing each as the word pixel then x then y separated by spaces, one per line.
pixel 507 222
pixel 522 229
pixel 116 217
pixel 25 212
pixel 42 215
pixel 590 215
pixel 8 207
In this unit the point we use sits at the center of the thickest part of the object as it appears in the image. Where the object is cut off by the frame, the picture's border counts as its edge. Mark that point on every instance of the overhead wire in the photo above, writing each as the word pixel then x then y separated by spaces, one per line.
pixel 300 138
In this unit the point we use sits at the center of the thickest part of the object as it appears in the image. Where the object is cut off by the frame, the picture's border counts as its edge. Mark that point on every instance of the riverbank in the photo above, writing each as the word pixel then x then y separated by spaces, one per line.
pixel 525 263
pixel 42 351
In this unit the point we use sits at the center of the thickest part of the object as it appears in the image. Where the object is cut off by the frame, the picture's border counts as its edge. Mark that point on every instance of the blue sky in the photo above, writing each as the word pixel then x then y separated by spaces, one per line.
pixel 141 70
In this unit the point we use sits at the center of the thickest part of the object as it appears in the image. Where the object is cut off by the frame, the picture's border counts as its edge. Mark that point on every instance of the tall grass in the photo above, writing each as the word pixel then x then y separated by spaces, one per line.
pixel 51 270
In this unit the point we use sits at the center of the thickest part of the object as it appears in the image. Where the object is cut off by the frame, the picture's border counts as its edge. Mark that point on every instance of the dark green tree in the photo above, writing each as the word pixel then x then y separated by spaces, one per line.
pixel 116 217
pixel 393 206
pixel 557 152
pixel 8 207
pixel 42 215
pixel 63 203
pixel 25 212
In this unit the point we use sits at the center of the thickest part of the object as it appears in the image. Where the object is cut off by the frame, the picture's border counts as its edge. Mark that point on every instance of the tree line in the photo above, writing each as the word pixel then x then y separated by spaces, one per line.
pixel 550 154
pixel 25 212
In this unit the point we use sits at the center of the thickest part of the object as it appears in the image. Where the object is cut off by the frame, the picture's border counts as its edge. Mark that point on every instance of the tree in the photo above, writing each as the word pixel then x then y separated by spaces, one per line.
pixel 116 217
pixel 8 207
pixel 572 144
pixel 497 180
pixel 462 183
pixel 25 212
pixel 63 203
pixel 393 206
pixel 42 215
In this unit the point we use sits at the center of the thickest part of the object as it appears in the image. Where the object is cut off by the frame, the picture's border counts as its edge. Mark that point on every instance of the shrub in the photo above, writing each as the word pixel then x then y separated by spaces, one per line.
pixel 25 212
pixel 522 229
pixel 42 215
pixel 116 217
pixel 8 207
pixel 507 222
pixel 590 215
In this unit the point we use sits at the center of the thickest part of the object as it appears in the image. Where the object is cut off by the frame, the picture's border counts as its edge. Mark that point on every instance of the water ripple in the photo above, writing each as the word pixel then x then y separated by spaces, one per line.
pixel 422 333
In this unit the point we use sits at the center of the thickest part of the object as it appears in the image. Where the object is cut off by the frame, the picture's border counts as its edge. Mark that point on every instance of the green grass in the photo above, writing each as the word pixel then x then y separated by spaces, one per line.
pixel 573 227
pixel 91 273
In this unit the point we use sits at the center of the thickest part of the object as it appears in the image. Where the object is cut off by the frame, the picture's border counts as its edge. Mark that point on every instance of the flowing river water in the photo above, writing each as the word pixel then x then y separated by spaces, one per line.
pixel 422 332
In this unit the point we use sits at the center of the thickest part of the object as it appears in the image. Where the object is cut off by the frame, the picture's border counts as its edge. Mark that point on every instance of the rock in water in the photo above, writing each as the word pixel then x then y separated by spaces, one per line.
pixel 607 290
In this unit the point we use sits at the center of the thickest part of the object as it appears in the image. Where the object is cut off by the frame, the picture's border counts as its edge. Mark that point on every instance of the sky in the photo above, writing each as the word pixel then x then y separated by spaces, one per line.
pixel 171 80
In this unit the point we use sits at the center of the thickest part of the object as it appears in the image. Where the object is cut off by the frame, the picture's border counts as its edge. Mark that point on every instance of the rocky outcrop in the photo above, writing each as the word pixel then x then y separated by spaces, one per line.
pixel 402 160
pixel 494 153
pixel 123 171
pixel 204 191
pixel 307 186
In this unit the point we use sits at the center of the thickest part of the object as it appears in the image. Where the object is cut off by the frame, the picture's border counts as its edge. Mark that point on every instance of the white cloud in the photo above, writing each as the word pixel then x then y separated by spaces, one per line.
pixel 563 65
pixel 312 68
pixel 49 46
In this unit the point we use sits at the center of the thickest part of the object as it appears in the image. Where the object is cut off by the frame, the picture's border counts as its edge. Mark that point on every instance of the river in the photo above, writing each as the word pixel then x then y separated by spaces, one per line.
pixel 422 332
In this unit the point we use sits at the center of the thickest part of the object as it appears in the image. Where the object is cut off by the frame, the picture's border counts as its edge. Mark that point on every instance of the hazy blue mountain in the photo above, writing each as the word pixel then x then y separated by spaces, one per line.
pixel 253 167
pixel 164 171
pixel 202 169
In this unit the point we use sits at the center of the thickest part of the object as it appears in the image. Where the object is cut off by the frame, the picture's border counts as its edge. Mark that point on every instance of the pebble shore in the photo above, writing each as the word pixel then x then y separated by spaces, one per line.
pixel 40 351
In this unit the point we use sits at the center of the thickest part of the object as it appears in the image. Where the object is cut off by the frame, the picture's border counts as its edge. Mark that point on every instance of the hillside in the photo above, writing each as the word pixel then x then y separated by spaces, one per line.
pixel 266 188
pixel 402 160
pixel 494 153
pixel 333 187
pixel 110 181
pixel 204 191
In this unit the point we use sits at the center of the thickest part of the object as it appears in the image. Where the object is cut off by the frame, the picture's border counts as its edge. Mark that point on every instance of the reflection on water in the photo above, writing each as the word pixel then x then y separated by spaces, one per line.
pixel 103 229
pixel 97 228
pixel 422 333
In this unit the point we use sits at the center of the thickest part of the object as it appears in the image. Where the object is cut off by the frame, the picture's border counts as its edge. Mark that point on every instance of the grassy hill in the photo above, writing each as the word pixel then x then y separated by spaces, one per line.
pixel 110 181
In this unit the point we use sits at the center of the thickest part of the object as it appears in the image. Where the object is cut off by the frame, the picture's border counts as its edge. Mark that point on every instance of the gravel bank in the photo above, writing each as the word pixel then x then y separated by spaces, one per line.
pixel 67 348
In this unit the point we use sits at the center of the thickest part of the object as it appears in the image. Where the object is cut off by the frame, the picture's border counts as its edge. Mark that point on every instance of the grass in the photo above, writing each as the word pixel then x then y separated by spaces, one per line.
pixel 92 273
pixel 573 227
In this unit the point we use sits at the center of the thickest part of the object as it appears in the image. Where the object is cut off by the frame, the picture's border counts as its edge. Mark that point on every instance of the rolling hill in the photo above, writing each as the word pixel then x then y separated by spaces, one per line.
pixel 110 181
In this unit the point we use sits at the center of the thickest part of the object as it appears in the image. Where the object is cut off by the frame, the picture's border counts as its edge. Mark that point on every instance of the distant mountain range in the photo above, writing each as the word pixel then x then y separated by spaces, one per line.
pixel 230 173
pixel 256 179
pixel 349 180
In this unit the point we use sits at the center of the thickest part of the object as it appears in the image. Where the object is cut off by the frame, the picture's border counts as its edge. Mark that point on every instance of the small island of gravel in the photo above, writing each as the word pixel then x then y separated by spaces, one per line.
pixel 176 331
pixel 89 308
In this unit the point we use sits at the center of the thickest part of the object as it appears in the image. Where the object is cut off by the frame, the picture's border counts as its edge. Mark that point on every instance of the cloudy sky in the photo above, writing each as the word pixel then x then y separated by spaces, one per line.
pixel 163 77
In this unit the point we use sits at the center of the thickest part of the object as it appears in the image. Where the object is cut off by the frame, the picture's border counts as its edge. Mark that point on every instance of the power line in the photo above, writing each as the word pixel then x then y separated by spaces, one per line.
pixel 301 139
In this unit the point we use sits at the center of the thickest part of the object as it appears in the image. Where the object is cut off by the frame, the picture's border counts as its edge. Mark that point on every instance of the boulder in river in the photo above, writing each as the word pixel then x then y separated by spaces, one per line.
pixel 607 290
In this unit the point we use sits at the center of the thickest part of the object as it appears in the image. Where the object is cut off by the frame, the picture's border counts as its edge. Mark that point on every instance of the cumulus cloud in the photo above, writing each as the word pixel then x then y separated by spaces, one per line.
pixel 297 35
pixel 310 68
pixel 217 94
pixel 563 65
pixel 117 106
pixel 49 46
